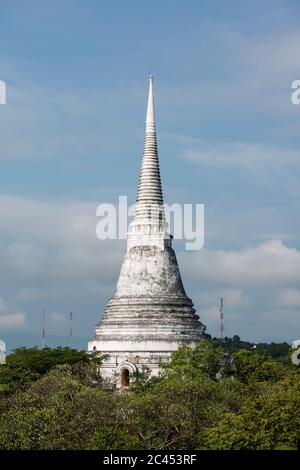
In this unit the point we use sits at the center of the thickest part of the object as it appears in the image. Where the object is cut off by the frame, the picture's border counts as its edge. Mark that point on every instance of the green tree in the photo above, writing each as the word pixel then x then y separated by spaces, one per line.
pixel 41 361
pixel 203 357
pixel 109 438
pixel 55 412
pixel 67 406
pixel 25 365
pixel 268 420
pixel 255 367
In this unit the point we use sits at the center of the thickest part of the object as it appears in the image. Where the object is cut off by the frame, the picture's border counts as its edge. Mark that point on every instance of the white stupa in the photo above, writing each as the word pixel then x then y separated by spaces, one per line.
pixel 2 352
pixel 149 315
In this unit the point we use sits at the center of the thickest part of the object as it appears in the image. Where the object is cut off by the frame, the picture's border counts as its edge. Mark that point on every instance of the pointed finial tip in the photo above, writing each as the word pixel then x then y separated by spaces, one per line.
pixel 150 75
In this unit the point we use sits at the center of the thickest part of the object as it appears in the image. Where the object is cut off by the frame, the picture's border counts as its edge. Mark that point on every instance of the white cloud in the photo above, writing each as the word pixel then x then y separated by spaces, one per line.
pixel 271 166
pixel 232 297
pixel 50 257
pixel 249 81
pixel 208 307
pixel 286 317
pixel 278 55
pixel 11 318
pixel 210 316
pixel 58 318
pixel 53 241
pixel 25 259
pixel 28 294
pixel 243 154
pixel 288 297
pixel 41 122
pixel 269 263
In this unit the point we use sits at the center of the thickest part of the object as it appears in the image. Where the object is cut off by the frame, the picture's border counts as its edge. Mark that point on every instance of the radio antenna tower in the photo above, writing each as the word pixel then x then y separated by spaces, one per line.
pixel 44 332
pixel 222 328
pixel 71 330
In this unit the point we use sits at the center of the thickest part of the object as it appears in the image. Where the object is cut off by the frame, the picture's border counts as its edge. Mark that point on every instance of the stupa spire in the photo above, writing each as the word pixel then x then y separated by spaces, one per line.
pixel 149 189
pixel 149 316
pixel 150 117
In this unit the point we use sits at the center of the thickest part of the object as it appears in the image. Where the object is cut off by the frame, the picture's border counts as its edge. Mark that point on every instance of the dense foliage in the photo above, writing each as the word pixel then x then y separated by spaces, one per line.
pixel 26 365
pixel 62 403
pixel 234 344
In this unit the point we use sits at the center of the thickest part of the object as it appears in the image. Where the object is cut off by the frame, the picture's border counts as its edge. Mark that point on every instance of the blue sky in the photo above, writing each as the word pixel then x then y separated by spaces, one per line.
pixel 71 137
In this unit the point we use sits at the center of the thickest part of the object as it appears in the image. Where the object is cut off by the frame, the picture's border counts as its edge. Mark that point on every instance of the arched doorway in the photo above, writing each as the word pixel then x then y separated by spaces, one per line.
pixel 124 377
pixel 125 373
